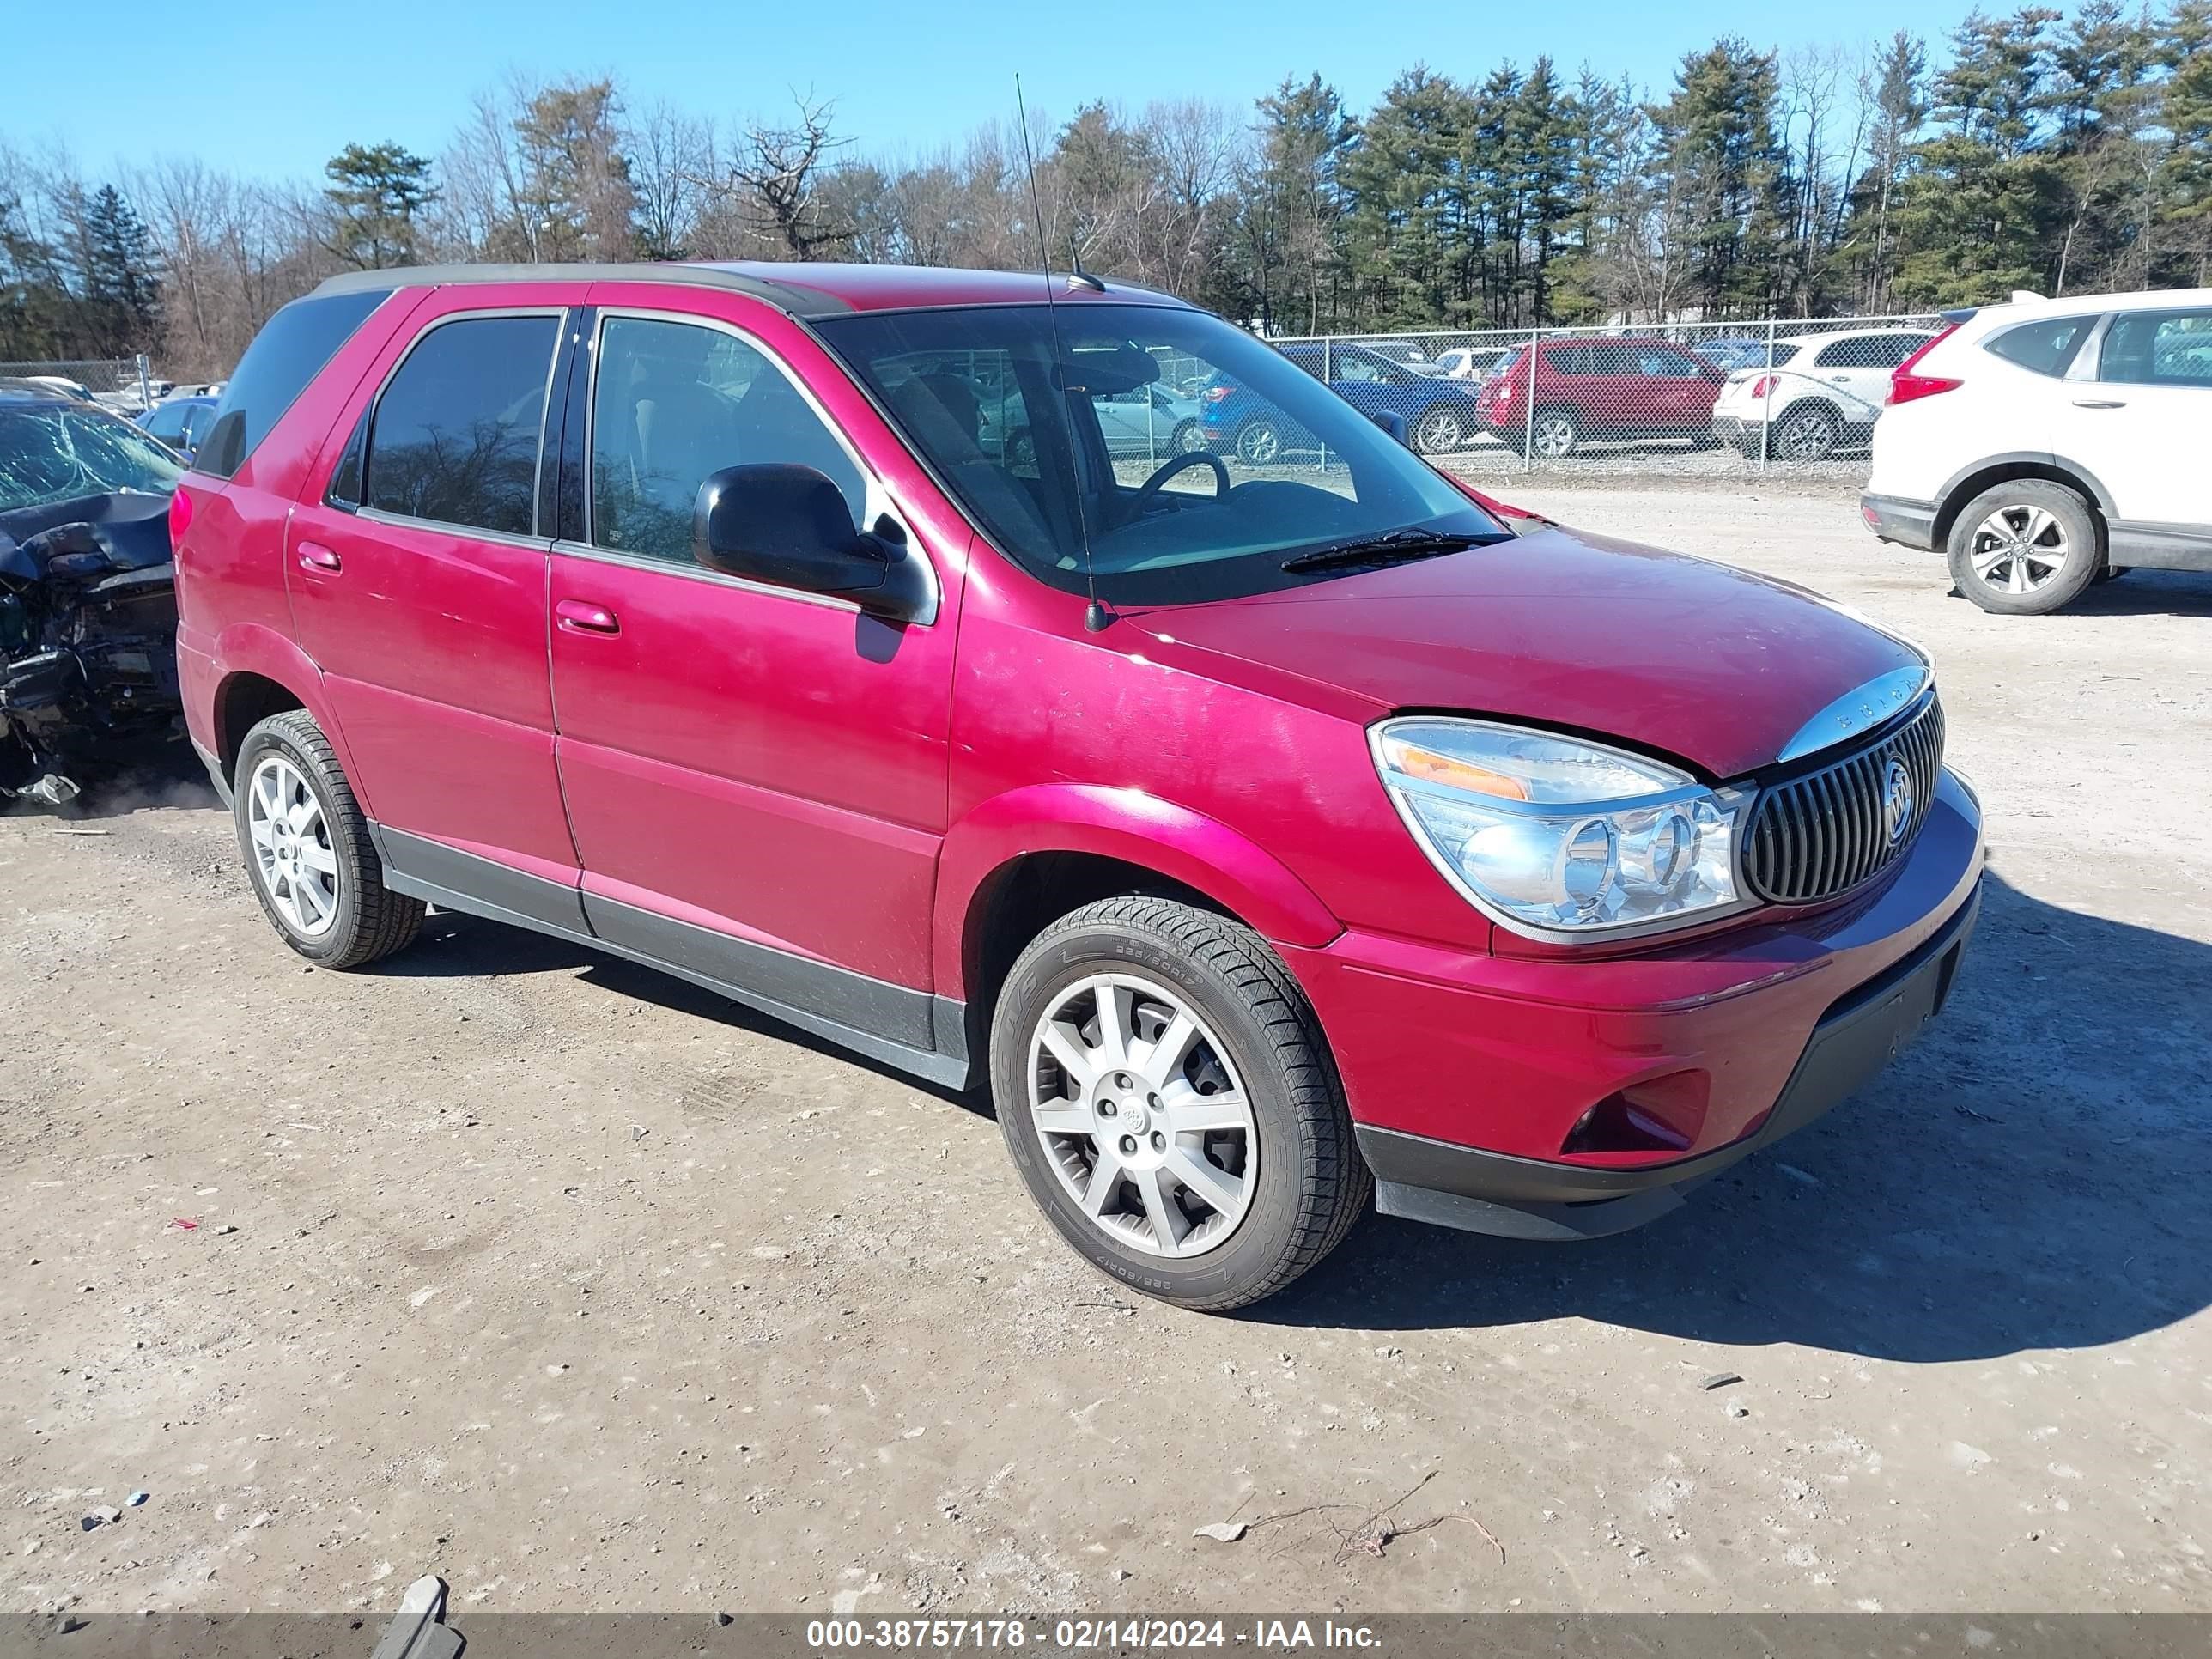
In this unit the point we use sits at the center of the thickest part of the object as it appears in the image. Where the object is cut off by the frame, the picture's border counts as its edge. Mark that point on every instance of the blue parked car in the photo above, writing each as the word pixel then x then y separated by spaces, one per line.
pixel 1439 413
pixel 179 423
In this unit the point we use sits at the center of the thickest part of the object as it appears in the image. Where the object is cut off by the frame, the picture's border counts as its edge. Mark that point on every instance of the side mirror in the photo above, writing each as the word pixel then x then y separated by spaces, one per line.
pixel 789 525
pixel 1393 424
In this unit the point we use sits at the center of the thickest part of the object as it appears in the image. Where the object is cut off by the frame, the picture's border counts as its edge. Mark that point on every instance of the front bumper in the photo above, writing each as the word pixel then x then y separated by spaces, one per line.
pixel 1894 519
pixel 1469 1076
pixel 1482 1191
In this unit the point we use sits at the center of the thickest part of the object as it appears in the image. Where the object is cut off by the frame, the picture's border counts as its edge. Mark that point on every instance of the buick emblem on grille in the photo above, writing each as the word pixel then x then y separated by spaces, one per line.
pixel 1896 800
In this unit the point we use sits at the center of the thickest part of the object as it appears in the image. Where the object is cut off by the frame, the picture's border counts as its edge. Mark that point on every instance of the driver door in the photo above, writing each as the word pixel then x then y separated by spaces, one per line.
pixel 755 777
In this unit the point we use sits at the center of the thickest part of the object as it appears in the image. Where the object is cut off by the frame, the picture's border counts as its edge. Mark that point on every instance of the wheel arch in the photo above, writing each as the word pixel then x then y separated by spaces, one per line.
pixel 1970 482
pixel 260 674
pixel 1021 859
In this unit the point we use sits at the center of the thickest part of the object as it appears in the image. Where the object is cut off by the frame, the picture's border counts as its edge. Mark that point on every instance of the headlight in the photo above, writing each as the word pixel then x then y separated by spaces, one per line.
pixel 1555 837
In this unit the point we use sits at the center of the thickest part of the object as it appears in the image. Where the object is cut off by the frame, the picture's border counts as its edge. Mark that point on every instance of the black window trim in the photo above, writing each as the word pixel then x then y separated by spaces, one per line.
pixel 578 446
pixel 366 431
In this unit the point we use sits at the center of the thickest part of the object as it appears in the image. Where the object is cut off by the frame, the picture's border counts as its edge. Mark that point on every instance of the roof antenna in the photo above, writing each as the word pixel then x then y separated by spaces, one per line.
pixel 1096 616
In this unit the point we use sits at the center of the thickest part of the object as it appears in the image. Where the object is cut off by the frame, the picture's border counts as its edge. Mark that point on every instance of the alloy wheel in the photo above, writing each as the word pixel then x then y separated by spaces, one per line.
pixel 1439 432
pixel 1554 437
pixel 2018 550
pixel 298 867
pixel 1808 435
pixel 1141 1116
pixel 1259 443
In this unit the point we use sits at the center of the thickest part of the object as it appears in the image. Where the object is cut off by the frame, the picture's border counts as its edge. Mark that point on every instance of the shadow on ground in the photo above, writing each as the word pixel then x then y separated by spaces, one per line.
pixel 2030 1175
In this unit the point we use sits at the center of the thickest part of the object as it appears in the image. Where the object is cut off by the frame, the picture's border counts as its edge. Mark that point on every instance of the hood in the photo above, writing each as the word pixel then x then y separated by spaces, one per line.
pixel 1557 628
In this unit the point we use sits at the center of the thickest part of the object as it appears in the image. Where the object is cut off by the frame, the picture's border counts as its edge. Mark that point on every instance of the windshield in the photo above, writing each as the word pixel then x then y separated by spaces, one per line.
pixel 1178 503
pixel 55 452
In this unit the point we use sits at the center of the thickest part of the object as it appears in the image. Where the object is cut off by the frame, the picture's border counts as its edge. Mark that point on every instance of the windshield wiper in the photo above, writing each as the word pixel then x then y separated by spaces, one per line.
pixel 1387 548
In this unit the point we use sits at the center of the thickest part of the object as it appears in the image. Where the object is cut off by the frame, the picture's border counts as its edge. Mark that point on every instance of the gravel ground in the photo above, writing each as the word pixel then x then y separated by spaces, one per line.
pixel 585 1291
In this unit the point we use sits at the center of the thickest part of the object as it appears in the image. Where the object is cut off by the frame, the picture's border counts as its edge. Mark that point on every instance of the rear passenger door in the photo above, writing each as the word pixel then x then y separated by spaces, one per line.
pixel 418 584
pixel 2143 424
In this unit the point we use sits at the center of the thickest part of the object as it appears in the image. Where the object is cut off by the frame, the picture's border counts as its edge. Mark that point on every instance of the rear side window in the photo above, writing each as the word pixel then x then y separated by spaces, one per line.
pixel 289 352
pixel 1869 351
pixel 455 436
pixel 2047 347
pixel 2159 348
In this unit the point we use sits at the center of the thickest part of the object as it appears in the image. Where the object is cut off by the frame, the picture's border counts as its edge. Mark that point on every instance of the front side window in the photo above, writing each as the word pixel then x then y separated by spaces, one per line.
pixel 675 403
pixel 455 436
pixel 166 422
pixel 1004 402
pixel 2159 348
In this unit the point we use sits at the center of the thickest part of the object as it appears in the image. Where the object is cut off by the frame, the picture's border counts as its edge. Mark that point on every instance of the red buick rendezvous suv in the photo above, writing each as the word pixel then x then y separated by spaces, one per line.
pixel 1257 833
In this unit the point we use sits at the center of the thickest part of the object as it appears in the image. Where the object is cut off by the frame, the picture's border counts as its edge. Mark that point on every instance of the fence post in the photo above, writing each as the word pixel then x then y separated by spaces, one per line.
pixel 1766 399
pixel 1328 380
pixel 1528 414
pixel 145 384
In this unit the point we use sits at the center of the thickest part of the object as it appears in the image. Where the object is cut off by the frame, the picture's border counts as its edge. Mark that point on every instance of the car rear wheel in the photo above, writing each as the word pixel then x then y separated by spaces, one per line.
pixel 1258 442
pixel 1189 438
pixel 1554 435
pixel 1439 431
pixel 1168 1099
pixel 308 849
pixel 2024 548
pixel 1806 432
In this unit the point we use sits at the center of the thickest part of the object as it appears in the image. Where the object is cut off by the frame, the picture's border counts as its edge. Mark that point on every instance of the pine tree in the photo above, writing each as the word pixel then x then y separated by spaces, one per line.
pixel 376 190
pixel 1724 167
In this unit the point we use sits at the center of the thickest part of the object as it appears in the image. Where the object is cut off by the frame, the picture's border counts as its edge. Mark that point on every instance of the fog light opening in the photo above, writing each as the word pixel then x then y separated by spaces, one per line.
pixel 1662 1115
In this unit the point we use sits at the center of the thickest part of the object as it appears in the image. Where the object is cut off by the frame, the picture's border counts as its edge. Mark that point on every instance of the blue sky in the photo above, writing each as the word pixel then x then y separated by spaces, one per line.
pixel 274 89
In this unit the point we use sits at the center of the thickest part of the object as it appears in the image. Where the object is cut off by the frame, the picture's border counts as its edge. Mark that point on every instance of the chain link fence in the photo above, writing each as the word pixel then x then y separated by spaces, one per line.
pixel 1689 400
pixel 126 384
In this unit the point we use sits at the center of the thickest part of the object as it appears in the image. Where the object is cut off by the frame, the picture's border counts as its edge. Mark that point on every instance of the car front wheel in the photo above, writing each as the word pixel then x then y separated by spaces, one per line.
pixel 1166 1095
pixel 2024 548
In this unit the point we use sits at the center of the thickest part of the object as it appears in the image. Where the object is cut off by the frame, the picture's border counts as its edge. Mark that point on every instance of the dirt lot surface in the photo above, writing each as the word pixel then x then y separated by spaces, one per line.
pixel 586 1290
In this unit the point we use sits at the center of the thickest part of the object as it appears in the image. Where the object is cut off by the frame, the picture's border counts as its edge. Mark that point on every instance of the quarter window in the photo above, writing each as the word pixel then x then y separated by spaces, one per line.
pixel 2159 348
pixel 455 436
pixel 676 403
pixel 2047 347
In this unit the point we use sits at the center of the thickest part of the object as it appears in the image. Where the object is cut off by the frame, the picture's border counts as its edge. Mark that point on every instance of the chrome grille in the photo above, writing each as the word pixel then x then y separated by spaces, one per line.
pixel 1823 832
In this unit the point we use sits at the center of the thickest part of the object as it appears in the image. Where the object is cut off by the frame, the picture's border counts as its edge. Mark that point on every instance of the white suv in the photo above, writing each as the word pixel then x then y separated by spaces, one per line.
pixel 2048 444
pixel 1821 392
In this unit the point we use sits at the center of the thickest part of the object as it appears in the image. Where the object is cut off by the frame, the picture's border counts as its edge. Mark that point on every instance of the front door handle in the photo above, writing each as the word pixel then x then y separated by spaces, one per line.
pixel 2101 403
pixel 314 556
pixel 582 617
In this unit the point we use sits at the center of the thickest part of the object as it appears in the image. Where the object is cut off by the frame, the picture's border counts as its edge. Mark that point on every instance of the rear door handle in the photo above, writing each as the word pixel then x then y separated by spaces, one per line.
pixel 314 556
pixel 582 617
pixel 2101 403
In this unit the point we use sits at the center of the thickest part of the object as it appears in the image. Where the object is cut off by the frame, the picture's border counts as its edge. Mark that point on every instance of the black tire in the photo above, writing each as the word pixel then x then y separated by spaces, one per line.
pixel 371 920
pixel 1312 1182
pixel 1188 438
pixel 1809 432
pixel 2084 547
pixel 1449 432
pixel 1258 442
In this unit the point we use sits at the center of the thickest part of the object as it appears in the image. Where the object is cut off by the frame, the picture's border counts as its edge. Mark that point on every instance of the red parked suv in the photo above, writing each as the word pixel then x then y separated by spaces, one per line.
pixel 1609 391
pixel 792 628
